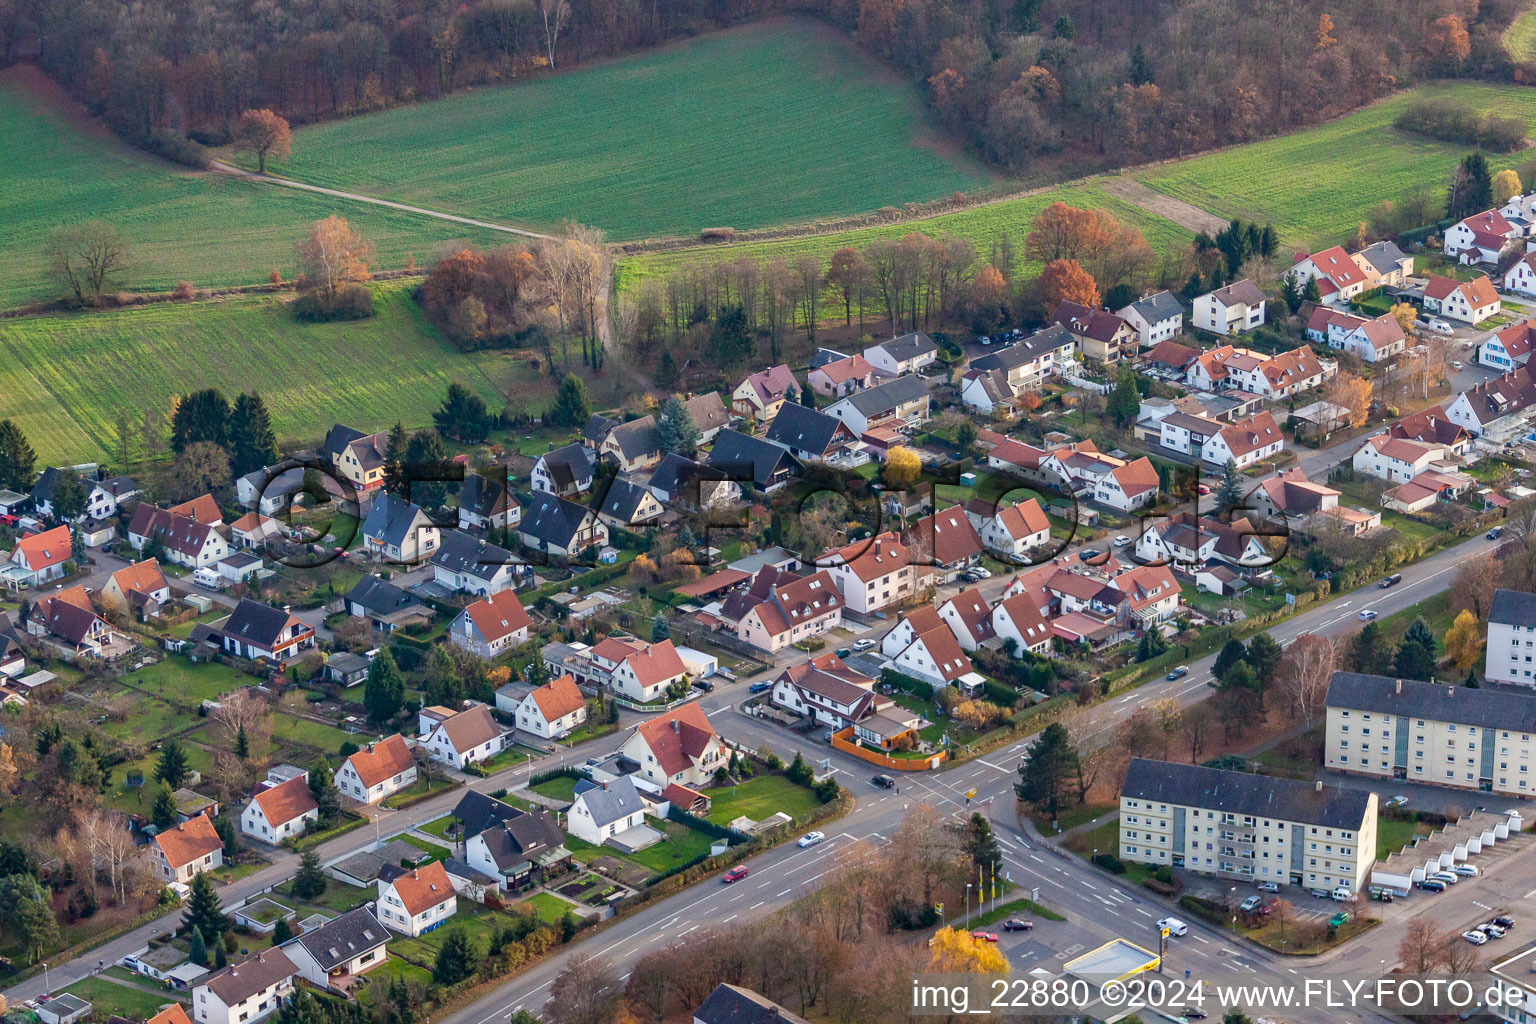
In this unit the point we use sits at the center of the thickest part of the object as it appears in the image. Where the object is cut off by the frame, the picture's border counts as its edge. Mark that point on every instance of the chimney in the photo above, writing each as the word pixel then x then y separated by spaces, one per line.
pixel 1318 786
pixel 1399 690
pixel 675 727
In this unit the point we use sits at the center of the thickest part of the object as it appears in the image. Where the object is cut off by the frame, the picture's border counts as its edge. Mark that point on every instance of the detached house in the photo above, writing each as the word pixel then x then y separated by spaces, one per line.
pixel 781 608
pixel 1508 348
pixel 563 471
pixel 922 646
pixel 610 812
pixel 139 589
pixel 486 503
pixel 1188 541
pixel 1374 340
pixel 746 460
pixel 184 539
pixel 1384 264
pixel 1018 618
pixel 1012 531
pixel 377 771
pixel 906 353
pixel 357 457
pixel 1338 275
pixel 1244 443
pixel 843 376
pixel 1520 278
pixel 677 746
pixel 255 630
pixel 826 691
pixel 491 626
pixel 872 574
pixel 626 503
pixel 761 394
pixel 1099 335
pixel 559 527
pixel 1432 427
pixel 280 811
pixel 1396 460
pixel 1234 309
pixel 634 670
pixel 896 405
pixel 67 615
pixel 398 531
pixel 1480 238
pixel 1124 486
pixel 185 850
pixel 552 710
pixel 1172 357
pixel 520 850
pixel 969 618
pixel 1155 318
pixel 634 445
pixel 949 539
pixel 335 954
pixel 102 497
pixel 467 565
pixel 40 557
pixel 1276 377
pixel 244 992
pixel 996 380
pixel 417 901
pixel 1152 595
pixel 692 485
pixel 459 738
pixel 1290 495
pixel 1497 409
pixel 812 436
pixel 1470 302
pixel 708 413
pixel 385 606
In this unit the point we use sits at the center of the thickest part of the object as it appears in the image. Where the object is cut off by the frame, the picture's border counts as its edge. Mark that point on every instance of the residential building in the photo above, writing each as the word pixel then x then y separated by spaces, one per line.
pixel 186 849
pixel 812 436
pixel 826 691
pixel 731 1004
pixel 244 992
pixel 1424 490
pixel 1120 485
pixel 1246 827
pixel 385 606
pixel 398 531
pixel 520 851
pixel 949 540
pixel 1152 595
pixel 1433 427
pixel 906 353
pixel 1339 276
pixel 782 607
pixel 252 530
pixel 1172 358
pixel 923 646
pixel 691 485
pixel 634 445
pixel 969 618
pixel 677 746
pixel 1384 265
pixel 341 950
pixel 102 497
pixel 280 811
pixel 761 394
pixel 1155 318
pixel 68 617
pixel 1498 410
pixel 378 770
pixel 636 671
pixel 872 574
pixel 626 503
pixel 1233 309
pixel 1018 618
pixel 1031 360
pixel 1510 656
pixel 1187 541
pixel 552 710
pixel 139 589
pixel 1374 340
pixel 255 630
pixel 557 526
pixel 747 460
pixel 708 413
pixel 417 901
pixel 356 457
pixel 459 738
pixel 1520 278
pixel 1469 302
pixel 1481 740
pixel 466 564
pixel 843 376
pixel 1243 444
pixel 1098 334
pixel 184 540
pixel 1480 238
pixel 486 503
pixel 1508 347
pixel 1013 531
pixel 897 404
pixel 1394 459
pixel 604 812
pixel 1290 495
pixel 564 471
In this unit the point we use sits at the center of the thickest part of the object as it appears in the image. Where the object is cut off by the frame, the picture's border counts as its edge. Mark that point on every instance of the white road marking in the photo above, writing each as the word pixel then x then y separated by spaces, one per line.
pixel 757 904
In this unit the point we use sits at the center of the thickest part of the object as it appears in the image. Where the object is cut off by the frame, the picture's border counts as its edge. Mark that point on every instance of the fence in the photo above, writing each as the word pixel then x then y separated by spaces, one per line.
pixel 841 741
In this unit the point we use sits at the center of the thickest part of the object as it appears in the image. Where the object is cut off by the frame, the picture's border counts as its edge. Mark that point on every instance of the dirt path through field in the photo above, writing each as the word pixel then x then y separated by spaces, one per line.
pixel 1166 207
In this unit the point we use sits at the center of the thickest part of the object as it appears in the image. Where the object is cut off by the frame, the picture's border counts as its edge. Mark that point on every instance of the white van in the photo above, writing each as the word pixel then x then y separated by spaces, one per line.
pixel 1342 894
pixel 1174 926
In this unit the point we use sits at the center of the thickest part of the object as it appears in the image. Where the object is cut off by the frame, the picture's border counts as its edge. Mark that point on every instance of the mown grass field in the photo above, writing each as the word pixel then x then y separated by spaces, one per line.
pixel 1316 185
pixel 1520 37
pixel 64 379
pixel 774 122
pixel 209 229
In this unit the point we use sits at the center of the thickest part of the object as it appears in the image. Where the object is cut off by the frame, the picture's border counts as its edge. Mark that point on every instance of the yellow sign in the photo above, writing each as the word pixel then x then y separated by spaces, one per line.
pixel 970 794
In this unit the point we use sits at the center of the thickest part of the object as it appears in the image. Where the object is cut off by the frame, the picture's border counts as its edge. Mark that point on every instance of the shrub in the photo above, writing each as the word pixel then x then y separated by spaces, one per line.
pixel 907 914
pixel 351 302
pixel 1109 862
pixel 1454 121
pixel 177 148
pixel 183 292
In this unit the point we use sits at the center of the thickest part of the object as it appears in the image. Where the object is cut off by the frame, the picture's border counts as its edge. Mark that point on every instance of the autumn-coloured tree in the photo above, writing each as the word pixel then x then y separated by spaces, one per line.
pixel 977 714
pixel 955 952
pixel 333 255
pixel 1065 279
pixel 1353 393
pixel 264 133
pixel 1506 185
pixel 1111 252
pixel 1325 36
pixel 902 468
pixel 1406 314
pixel 1447 38
pixel 1464 641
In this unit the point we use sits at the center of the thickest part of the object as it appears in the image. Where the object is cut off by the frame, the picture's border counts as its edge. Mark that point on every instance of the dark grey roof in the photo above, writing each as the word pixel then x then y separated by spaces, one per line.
pixel 1491 709
pixel 597 427
pixel 743 457
pixel 459 869
pixel 42 491
pixel 1241 793
pixel 340 939
pixel 612 802
pixel 1513 608
pixel 908 346
pixel 674 473
pixel 462 553
pixel 1049 340
pixel 824 356
pixel 795 426
pixel 477 812
pixel 481 494
pixel 621 499
pixel 731 1004
pixel 256 973
pixel 637 437
pixel 338 437
pixel 875 400
pixel 392 520
pixel 256 622
pixel 570 465
pixel 522 837
pixel 1383 256
pixel 1155 308
pixel 552 520
pixel 381 597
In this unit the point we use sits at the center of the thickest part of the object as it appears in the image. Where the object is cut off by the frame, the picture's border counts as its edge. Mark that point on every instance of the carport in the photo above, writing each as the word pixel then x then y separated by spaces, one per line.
pixel 1444 848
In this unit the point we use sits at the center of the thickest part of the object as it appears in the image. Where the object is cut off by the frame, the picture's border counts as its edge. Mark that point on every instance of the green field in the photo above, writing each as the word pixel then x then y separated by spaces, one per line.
pixel 760 798
pixel 65 378
pixel 1315 185
pixel 1520 37
pixel 766 124
pixel 209 229
pixel 108 997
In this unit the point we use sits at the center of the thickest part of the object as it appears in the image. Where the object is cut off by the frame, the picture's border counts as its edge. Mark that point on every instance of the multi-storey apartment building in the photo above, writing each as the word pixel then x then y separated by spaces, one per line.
pixel 1511 638
pixel 1248 827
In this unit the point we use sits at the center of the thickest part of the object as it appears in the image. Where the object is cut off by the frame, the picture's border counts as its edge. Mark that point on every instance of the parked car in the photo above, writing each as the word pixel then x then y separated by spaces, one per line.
pixel 1320 894
pixel 1174 926
pixel 1366 616
pixel 1432 885
pixel 1398 801
pixel 1495 533
pixel 1122 540
pixel 1202 490
pixel 1476 938
pixel 1341 894
pixel 843 652
pixel 1178 673
pixel 1338 919
pixel 736 874
pixel 811 838
pixel 704 685
pixel 1192 1013
pixel 981 572
pixel 1491 930
pixel 1465 870
pixel 1455 364
pixel 863 644
pixel 980 936
pixel 762 687
pixel 1015 924
pixel 1391 581
pixel 1251 904
pixel 883 781
pixel 1269 887
pixel 1088 553
pixel 1448 877
pixel 1504 921
pixel 1441 327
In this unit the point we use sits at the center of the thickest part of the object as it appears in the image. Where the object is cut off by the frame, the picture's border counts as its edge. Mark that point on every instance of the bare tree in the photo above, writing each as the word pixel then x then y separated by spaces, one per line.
pixel 1197 724
pixel 85 256
pixel 1304 674
pixel 586 992
pixel 241 710
pixel 1422 947
pixel 556 13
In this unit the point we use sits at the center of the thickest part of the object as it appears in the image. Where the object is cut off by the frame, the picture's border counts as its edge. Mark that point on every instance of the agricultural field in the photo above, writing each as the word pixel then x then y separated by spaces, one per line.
pixel 1520 37
pixel 210 229
pixel 1315 185
pixel 72 375
pixel 770 123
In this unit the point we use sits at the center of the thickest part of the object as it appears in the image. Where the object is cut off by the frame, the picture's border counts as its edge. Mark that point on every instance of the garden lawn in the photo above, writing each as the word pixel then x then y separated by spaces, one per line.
pixel 66 378
pixel 548 907
pixel 1392 835
pixel 1315 185
pixel 108 997
pixel 759 798
pixel 210 229
pixel 338 896
pixel 393 967
pixel 328 738
pixel 181 682
pixel 149 719
pixel 558 788
pixel 662 143
pixel 1520 37
pixel 426 846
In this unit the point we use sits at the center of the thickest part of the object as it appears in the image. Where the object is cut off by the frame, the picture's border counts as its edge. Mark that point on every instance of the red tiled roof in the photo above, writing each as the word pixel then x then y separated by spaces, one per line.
pixel 1336 264
pixel 140 577
pixel 678 737
pixel 191 840
pixel 948 534
pixel 558 698
pixel 498 616
pixel 285 801
pixel 43 550
pixel 874 557
pixel 202 509
pixel 424 888
pixel 380 761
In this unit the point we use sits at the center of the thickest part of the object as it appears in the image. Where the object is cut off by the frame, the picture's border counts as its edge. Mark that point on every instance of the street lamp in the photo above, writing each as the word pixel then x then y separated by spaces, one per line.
pixel 968 903
pixel 47 988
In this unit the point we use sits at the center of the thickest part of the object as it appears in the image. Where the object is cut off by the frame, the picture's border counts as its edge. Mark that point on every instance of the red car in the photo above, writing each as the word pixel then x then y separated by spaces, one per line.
pixel 736 874
pixel 984 936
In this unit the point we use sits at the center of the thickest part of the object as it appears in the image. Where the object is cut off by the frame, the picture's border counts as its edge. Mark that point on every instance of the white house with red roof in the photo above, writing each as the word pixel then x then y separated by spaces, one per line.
pixel 1152 594
pixel 783 608
pixel 1470 302
pixel 949 540
pixel 184 539
pixel 1339 278
pixel 842 377
pixel 38 558
pixel 969 618
pixel 1014 530
pixel 378 770
pixel 678 746
pixel 1373 340
pixel 1508 348
pixel 491 626
pixel 185 850
pixel 552 710
pixel 827 691
pixel 1396 460
pixel 1018 618
pixel 1097 333
pixel 417 901
pixel 1244 443
pixel 280 811
pixel 1520 278
pixel 1126 486
pixel 641 672
pixel 925 648
pixel 1480 238
pixel 1274 376
pixel 873 573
